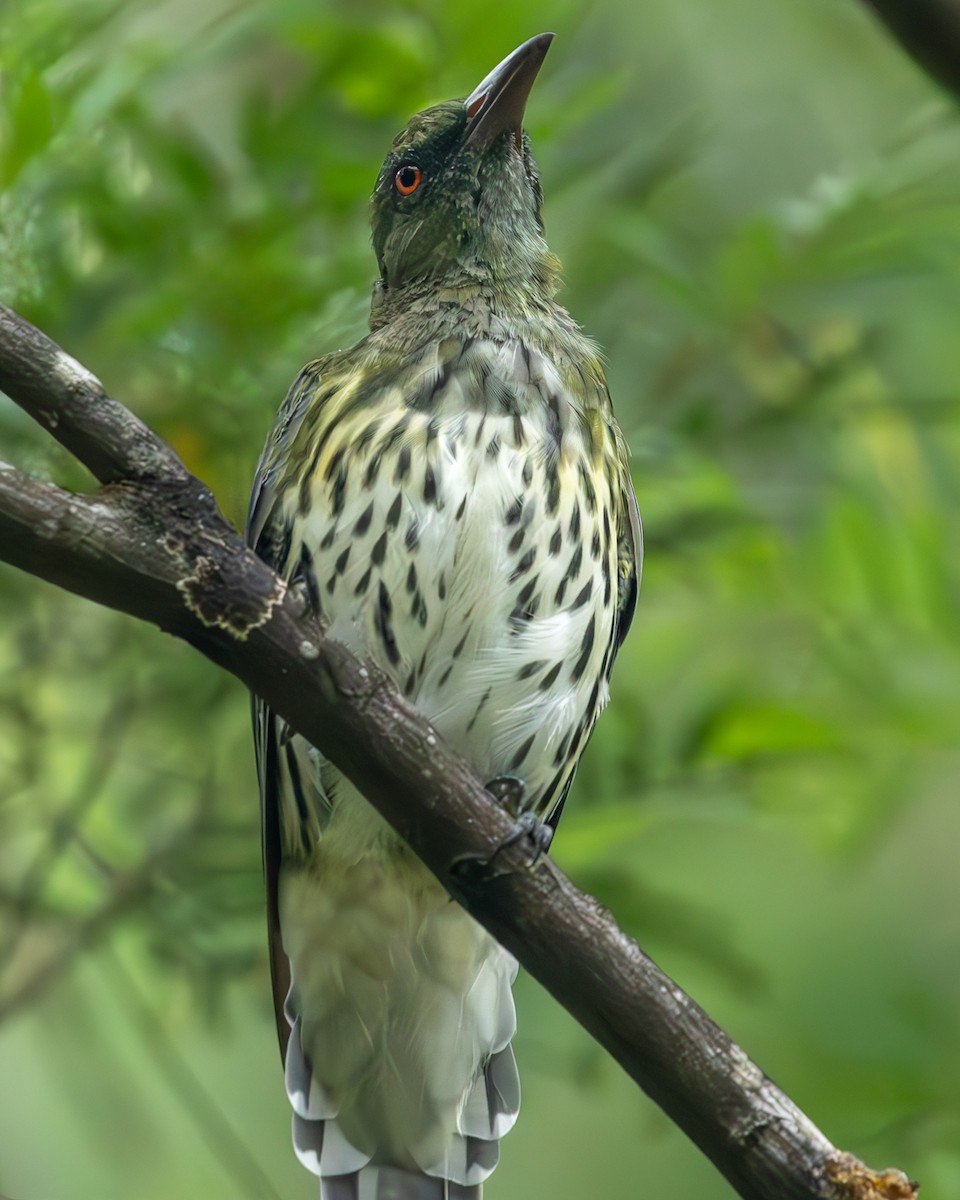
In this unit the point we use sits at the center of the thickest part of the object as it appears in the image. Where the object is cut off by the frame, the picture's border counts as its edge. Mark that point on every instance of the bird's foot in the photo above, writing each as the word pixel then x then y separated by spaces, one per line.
pixel 511 793
pixel 303 590
pixel 528 825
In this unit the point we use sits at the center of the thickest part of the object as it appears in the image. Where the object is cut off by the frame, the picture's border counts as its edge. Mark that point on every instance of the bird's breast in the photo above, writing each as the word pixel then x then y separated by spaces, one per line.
pixel 468 546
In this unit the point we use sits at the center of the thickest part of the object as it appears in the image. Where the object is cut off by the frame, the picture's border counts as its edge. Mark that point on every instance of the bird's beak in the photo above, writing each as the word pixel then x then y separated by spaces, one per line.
pixel 498 103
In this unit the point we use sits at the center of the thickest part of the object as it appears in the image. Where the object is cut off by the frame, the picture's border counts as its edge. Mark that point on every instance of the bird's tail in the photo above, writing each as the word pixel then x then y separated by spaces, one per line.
pixel 487 1113
pixel 398 1066
pixel 390 1183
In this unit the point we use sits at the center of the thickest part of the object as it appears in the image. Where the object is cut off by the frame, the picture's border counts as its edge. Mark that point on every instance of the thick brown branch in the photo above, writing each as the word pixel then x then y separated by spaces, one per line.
pixel 929 31
pixel 154 545
pixel 72 406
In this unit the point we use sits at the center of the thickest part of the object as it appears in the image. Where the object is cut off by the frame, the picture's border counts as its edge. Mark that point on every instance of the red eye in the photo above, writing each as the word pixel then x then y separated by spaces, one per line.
pixel 407 179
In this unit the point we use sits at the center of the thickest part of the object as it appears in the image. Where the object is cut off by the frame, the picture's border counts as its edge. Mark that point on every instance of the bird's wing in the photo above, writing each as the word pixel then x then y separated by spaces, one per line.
pixel 265 494
pixel 281 764
pixel 629 562
pixel 629 569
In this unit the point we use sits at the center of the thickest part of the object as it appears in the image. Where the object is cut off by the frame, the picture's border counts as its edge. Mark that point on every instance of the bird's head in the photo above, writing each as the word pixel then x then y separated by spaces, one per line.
pixel 458 197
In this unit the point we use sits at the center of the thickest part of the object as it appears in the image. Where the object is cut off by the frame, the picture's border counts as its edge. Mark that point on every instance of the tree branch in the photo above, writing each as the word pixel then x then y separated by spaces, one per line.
pixel 152 543
pixel 929 31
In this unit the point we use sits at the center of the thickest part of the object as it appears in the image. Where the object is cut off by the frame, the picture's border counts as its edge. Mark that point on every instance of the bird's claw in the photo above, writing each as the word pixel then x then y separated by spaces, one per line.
pixel 527 825
pixel 511 792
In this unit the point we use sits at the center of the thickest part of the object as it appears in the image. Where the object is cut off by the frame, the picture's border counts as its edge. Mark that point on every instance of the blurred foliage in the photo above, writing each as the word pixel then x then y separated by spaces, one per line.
pixel 758 209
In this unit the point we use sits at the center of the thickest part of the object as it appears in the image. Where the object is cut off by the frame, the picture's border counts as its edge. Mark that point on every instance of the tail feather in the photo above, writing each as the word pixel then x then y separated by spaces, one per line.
pixel 308 1097
pixel 322 1148
pixel 390 1183
pixel 489 1111
pixel 318 1140
pixel 398 1065
pixel 492 1104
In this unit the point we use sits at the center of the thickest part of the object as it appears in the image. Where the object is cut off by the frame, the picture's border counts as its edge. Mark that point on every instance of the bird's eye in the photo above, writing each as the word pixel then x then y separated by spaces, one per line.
pixel 407 179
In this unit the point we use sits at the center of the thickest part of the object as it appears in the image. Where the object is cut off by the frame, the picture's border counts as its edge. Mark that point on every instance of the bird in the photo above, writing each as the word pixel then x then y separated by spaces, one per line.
pixel 452 498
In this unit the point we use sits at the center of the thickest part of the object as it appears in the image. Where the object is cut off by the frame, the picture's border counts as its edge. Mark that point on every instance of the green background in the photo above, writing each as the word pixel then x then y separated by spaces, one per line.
pixel 758 210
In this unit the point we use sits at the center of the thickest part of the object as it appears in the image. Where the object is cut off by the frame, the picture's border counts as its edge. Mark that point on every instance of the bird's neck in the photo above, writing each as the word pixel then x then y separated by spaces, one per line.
pixel 475 307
